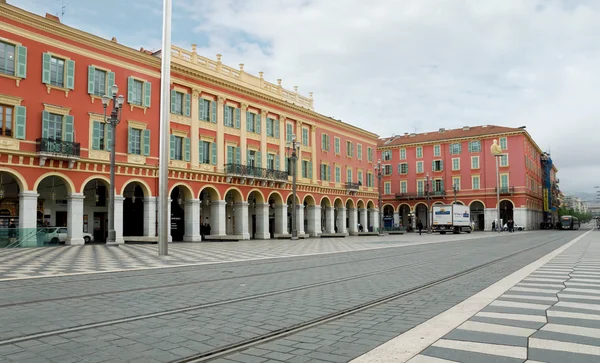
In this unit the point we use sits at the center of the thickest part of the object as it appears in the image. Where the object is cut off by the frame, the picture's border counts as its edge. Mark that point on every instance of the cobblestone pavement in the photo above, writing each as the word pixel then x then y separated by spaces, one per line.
pixel 53 261
pixel 553 315
pixel 134 317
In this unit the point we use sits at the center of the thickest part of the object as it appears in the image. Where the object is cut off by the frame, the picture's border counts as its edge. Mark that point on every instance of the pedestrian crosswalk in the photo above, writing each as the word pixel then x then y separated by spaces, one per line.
pixel 551 316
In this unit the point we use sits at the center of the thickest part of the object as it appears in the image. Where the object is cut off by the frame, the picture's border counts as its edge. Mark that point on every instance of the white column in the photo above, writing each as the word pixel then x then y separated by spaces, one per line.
pixel 374 222
pixel 314 220
pixel 520 216
pixel 192 220
pixel 262 221
pixel 363 219
pixel 217 218
pixel 352 220
pixel 28 218
pixel 150 216
pixel 341 220
pixel 241 219
pixel 281 219
pixel 396 218
pixel 490 214
pixel 300 218
pixel 75 219
pixel 329 220
pixel 119 199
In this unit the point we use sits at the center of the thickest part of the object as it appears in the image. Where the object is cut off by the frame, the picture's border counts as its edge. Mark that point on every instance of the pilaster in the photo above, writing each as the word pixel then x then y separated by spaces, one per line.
pixel 195 126
pixel 220 135
pixel 244 133
pixel 282 129
pixel 313 148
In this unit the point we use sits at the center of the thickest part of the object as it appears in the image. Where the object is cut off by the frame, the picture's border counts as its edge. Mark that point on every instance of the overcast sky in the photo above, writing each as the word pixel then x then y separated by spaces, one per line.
pixel 395 66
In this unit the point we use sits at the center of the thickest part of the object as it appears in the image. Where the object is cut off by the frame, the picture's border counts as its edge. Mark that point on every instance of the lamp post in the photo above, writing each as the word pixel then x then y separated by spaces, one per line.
pixel 455 189
pixel 428 206
pixel 379 188
pixel 112 120
pixel 294 176
pixel 499 224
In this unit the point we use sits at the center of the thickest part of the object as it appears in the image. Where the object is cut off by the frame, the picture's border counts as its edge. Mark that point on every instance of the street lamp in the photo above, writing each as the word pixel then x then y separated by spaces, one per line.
pixel 379 188
pixel 113 120
pixel 428 206
pixel 455 189
pixel 294 172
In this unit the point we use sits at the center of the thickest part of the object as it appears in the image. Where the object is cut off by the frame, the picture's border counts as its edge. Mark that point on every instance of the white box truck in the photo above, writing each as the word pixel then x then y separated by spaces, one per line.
pixel 453 218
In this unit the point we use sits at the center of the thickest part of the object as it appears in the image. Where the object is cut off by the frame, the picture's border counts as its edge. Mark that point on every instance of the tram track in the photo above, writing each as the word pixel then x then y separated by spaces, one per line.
pixel 277 333
pixel 280 333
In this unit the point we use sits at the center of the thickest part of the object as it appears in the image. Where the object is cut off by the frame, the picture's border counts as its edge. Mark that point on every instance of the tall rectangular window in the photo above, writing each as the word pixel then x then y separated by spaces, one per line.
pixel 403 168
pixel 369 154
pixel 305 169
pixel 504 181
pixel 438 185
pixel 419 151
pixel 474 162
pixel 57 72
pixel 419 167
pixel 387 169
pixel 476 182
pixel 403 186
pixel 387 188
pixel 455 163
pixel 205 108
pixel 402 154
pixel 475 146
pixel 229 116
pixel 177 103
pixel 359 175
pixel 324 142
pixel 437 151
pixel 455 148
pixel 205 155
pixel 503 143
pixel 337 145
pixel 289 132
pixel 503 160
pixel 456 183
pixel 420 187
pixel 100 83
pixel 137 92
pixel 338 174
pixel 6 120
pixel 55 126
pixel 271 161
pixel 386 155
pixel 178 148
pixel 349 149
pixel 136 142
pixel 359 151
pixel 7 58
pixel 438 165
pixel 305 141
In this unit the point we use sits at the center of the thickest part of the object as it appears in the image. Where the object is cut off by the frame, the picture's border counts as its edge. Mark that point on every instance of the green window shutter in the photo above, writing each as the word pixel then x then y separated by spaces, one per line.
pixel 237 118
pixel 69 128
pixel 288 132
pixel 238 156
pixel 187 150
pixel 91 76
pixel 258 122
pixel 310 173
pixel 214 153
pixel 470 146
pixel 399 168
pixel 108 138
pixel 441 165
pixel 248 157
pixel 276 122
pixel 130 140
pixel 303 169
pixel 442 185
pixel 248 120
pixel 201 109
pixel 229 154
pixel 226 114
pixel 70 74
pixel 258 159
pixel 214 112
pixel 201 152
pixel 20 122
pixel 110 82
pixel 276 162
pixel 147 94
pixel 172 144
pixel 130 82
pixel 433 165
pixel 146 142
pixel 323 142
pixel 96 135
pixel 21 69
pixel 188 106
pixel 173 98
pixel 270 127
pixel 46 58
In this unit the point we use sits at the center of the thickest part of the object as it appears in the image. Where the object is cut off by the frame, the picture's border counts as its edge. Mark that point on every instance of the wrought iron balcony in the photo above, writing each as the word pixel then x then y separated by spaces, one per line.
pixel 353 186
pixel 255 172
pixel 505 190
pixel 421 195
pixel 58 149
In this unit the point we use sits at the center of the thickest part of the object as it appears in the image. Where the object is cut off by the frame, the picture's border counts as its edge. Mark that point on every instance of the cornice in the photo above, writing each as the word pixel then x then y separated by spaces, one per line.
pixel 449 140
pixel 53 27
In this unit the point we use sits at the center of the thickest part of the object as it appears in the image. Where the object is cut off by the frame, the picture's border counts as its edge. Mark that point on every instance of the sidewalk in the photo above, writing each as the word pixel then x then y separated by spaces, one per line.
pixel 551 315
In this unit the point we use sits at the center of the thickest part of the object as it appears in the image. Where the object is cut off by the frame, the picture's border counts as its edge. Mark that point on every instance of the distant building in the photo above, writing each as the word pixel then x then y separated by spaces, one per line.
pixel 458 164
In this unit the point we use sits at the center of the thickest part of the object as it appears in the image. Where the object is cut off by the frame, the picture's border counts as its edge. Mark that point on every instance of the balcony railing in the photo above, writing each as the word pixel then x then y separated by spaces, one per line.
pixel 353 186
pixel 255 172
pixel 58 148
pixel 421 195
pixel 505 190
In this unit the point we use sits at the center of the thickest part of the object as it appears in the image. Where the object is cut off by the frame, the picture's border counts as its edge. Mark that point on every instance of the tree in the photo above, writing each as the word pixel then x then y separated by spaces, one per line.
pixel 583 217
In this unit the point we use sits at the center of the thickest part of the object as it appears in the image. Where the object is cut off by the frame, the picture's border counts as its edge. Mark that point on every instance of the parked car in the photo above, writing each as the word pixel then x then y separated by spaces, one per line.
pixel 517 227
pixel 56 235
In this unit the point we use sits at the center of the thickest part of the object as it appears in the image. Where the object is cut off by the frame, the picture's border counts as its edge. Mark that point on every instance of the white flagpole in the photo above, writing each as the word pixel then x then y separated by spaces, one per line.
pixel 164 227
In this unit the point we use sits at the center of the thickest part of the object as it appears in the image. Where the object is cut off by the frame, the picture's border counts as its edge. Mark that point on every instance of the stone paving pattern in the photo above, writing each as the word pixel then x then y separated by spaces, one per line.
pixel 168 337
pixel 551 316
pixel 53 261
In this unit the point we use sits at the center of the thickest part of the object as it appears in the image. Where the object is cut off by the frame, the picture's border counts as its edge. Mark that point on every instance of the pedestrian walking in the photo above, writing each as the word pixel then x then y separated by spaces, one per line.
pixel 420 226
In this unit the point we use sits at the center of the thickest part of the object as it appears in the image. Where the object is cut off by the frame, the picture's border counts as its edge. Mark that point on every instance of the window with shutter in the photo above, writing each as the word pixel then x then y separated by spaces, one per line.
pixel 7 117
pixel 13 59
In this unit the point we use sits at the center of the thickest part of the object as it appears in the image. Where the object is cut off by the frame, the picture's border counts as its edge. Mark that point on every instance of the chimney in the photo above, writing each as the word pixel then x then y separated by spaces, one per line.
pixel 413 134
pixel 406 134
pixel 465 128
pixel 442 130
pixel 52 17
pixel 114 40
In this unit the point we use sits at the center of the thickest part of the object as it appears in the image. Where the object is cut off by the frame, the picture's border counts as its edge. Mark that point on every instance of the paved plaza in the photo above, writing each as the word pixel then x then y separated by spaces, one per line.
pixel 53 261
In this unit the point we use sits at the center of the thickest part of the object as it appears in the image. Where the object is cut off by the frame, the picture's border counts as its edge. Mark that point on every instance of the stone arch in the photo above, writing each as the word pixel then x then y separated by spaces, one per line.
pixel 142 184
pixel 21 181
pixel 370 204
pixel 70 187
pixel 507 200
pixel 337 202
pixel 237 194
pixel 419 203
pixel 459 202
pixel 256 192
pixel 325 200
pixel 350 203
pixel 104 179
pixel 212 192
pixel 290 196
pixel 188 192
pixel 388 205
pixel 360 204
pixel 477 200
pixel 309 200
pixel 402 204
pixel 276 196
